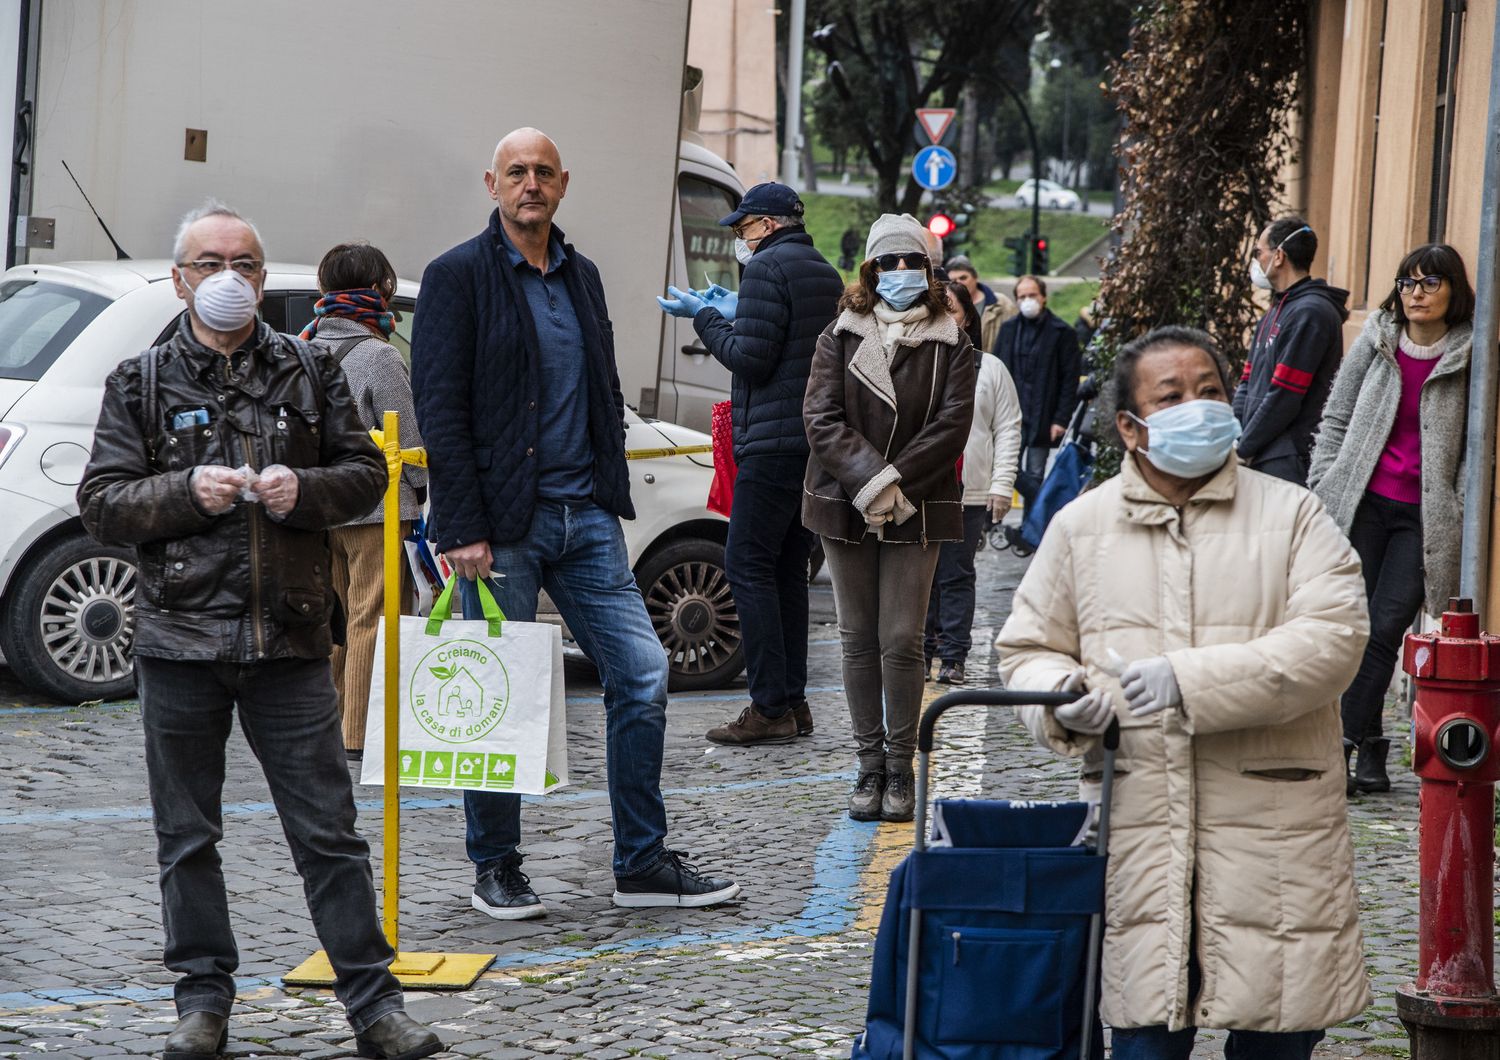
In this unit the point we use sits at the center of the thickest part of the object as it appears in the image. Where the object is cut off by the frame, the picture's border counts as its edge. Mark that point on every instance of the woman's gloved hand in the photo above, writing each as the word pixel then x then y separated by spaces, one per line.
pixel 883 507
pixel 1090 714
pixel 1150 686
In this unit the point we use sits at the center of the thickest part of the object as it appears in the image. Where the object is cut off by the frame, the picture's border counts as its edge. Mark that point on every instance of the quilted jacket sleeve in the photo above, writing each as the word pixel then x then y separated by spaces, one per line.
pixel 1300 665
pixel 1039 643
pixel 442 363
pixel 752 346
pixel 122 500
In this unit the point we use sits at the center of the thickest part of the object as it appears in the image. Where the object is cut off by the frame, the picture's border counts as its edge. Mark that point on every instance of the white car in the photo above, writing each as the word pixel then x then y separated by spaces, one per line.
pixel 66 602
pixel 1053 196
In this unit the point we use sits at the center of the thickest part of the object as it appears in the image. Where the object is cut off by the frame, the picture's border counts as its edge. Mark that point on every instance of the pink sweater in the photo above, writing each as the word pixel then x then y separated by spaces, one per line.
pixel 1398 475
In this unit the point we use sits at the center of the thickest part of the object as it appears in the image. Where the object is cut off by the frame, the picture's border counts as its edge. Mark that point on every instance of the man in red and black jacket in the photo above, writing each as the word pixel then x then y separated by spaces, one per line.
pixel 1294 353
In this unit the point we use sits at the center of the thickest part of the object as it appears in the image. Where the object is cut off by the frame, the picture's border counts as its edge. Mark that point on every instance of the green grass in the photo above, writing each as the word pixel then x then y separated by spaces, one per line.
pixel 1001 187
pixel 1067 232
pixel 1067 301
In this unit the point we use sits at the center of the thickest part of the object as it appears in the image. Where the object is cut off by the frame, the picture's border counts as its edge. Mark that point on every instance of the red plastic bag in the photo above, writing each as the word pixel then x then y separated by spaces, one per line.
pixel 721 429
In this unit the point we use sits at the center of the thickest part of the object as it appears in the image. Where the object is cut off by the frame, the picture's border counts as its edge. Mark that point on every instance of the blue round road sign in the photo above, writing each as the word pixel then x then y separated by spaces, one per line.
pixel 934 167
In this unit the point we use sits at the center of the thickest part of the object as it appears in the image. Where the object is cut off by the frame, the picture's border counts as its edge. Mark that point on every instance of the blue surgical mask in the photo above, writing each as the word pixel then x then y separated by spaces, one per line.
pixel 1190 440
pixel 900 288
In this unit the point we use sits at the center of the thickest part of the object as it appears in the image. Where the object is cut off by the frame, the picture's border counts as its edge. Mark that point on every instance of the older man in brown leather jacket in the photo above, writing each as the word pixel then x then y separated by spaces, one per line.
pixel 223 456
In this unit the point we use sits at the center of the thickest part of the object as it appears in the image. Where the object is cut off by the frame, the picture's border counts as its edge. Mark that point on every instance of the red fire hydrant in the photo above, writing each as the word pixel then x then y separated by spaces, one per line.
pixel 1451 1011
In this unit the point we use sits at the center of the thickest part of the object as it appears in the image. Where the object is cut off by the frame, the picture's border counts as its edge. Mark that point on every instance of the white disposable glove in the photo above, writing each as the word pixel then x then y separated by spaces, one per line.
pixel 277 489
pixel 1150 686
pixel 1091 714
pixel 215 487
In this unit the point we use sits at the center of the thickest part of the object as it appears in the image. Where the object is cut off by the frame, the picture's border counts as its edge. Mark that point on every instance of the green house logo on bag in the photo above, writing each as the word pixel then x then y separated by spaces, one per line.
pixel 459 691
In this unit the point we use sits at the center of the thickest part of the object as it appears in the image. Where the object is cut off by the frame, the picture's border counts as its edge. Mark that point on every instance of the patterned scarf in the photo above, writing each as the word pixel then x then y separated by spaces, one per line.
pixel 364 306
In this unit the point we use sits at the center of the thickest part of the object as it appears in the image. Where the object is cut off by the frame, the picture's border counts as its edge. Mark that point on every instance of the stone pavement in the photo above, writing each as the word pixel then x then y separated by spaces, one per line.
pixel 781 972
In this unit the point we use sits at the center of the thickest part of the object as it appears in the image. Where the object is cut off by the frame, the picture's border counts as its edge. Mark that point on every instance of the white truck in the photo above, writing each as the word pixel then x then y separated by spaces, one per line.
pixel 328 122
pixel 374 119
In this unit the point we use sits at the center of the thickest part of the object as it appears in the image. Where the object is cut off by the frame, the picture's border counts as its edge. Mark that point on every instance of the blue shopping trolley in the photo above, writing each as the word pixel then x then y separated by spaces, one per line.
pixel 1003 910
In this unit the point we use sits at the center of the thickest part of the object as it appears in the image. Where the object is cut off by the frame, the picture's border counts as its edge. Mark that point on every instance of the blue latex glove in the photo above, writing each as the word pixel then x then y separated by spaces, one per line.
pixel 724 300
pixel 682 303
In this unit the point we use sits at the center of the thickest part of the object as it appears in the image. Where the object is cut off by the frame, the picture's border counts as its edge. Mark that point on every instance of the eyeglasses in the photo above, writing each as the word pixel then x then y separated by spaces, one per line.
pixel 209 266
pixel 887 262
pixel 740 229
pixel 1408 284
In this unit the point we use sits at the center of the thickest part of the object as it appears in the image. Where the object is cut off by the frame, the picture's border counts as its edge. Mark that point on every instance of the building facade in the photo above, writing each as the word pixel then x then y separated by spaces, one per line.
pixel 734 43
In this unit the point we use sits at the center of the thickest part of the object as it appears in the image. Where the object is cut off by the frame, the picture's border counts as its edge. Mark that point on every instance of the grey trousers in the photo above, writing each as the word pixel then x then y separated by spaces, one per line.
pixel 881 592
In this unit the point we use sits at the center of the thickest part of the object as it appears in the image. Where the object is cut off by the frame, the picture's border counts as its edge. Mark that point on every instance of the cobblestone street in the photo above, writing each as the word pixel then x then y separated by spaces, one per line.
pixel 783 971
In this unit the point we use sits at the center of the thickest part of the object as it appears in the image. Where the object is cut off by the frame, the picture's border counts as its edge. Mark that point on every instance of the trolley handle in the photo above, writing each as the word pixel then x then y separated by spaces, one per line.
pixel 1000 697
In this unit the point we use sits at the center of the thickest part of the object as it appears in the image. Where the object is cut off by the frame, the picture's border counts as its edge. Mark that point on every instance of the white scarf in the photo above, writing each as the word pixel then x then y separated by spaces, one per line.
pixel 893 323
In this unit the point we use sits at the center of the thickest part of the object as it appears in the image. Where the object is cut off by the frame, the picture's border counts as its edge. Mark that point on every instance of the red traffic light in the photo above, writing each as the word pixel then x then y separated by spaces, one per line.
pixel 1041 244
pixel 941 225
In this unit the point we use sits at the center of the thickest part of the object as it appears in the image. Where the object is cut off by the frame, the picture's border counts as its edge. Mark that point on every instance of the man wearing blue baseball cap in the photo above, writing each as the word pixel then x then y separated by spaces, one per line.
pixel 765 336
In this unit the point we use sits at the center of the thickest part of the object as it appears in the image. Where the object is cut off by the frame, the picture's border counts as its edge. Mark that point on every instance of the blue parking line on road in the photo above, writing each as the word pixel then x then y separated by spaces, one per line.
pixel 408 802
pixel 829 910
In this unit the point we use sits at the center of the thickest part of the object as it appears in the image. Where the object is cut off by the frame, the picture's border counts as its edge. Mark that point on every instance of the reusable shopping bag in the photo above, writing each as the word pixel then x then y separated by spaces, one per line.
pixel 481 703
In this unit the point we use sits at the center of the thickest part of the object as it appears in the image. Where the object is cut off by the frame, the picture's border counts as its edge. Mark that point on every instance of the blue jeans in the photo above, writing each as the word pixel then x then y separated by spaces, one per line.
pixel 577 553
pixel 766 560
pixel 1157 1043
pixel 289 714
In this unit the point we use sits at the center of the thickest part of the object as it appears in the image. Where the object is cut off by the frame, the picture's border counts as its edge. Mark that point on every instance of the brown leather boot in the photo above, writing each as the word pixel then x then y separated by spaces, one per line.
pixel 802 714
pixel 752 728
pixel 198 1036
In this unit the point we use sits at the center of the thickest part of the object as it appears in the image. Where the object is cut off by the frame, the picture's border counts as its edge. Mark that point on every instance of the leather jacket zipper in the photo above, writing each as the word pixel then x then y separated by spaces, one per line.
pixel 253 518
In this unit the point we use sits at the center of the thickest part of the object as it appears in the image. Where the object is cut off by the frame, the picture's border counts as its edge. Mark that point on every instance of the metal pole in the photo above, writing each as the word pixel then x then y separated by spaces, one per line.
pixel 914 923
pixel 1479 464
pixel 791 147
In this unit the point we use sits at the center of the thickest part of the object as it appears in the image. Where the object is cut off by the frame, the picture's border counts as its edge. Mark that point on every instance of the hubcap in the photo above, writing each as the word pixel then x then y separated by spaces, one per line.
pixel 88 619
pixel 693 612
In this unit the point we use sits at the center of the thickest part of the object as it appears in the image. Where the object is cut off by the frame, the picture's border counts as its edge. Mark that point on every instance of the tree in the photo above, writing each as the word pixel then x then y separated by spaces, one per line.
pixel 898 55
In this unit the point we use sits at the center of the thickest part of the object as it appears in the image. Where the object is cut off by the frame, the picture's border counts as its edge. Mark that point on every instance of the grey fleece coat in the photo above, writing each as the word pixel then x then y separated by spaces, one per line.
pixel 1357 422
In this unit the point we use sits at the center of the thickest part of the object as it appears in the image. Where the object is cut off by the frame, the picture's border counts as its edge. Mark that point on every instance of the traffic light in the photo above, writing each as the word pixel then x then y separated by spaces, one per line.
pixel 1039 256
pixel 941 225
pixel 962 217
pixel 1019 247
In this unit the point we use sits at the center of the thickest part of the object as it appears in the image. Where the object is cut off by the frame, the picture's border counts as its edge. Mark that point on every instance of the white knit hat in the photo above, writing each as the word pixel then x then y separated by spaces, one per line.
pixel 896 233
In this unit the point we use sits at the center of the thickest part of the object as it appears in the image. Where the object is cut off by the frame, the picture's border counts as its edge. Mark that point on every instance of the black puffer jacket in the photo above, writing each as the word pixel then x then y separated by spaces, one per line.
pixel 241 586
pixel 788 295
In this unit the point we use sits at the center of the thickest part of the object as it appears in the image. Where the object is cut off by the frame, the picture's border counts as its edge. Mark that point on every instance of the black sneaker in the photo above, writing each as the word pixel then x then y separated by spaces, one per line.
pixel 672 883
pixel 505 893
pixel 951 673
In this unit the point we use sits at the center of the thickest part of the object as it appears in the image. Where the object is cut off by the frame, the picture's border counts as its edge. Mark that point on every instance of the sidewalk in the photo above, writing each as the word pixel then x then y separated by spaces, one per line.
pixel 781 972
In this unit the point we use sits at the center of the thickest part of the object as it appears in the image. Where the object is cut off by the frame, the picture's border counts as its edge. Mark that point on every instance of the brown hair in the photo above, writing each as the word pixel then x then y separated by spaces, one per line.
pixel 970 326
pixel 354 267
pixel 860 295
pixel 1041 284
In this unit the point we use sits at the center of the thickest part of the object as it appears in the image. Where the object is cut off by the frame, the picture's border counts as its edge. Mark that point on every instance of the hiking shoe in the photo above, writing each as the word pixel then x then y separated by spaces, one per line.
pixel 951 673
pixel 899 801
pixel 672 883
pixel 396 1036
pixel 752 728
pixel 864 800
pixel 198 1036
pixel 802 715
pixel 505 893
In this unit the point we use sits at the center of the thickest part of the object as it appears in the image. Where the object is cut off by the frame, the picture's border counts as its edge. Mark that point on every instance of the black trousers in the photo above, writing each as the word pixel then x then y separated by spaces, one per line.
pixel 950 606
pixel 1387 535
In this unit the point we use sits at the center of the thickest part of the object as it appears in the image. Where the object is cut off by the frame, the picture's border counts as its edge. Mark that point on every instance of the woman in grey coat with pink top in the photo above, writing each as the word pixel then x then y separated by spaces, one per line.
pixel 1387 464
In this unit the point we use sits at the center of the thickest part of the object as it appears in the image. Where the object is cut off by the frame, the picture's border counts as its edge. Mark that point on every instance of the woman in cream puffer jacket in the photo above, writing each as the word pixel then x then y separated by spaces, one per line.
pixel 1230 829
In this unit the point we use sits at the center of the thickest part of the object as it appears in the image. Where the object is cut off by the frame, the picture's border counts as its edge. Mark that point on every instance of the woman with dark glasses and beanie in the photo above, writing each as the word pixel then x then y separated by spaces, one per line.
pixel 354 321
pixel 887 413
pixel 1386 463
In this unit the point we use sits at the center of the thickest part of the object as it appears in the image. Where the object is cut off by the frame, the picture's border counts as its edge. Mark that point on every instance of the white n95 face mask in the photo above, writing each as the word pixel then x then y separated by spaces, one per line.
pixel 1192 439
pixel 225 301
pixel 1258 276
pixel 742 252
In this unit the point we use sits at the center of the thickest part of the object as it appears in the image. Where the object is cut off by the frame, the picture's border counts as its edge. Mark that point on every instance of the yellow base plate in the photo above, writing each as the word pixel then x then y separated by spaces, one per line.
pixel 428 971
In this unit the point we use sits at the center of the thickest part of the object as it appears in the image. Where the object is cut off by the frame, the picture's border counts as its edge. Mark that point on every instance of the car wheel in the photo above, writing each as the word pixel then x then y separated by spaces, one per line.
pixel 69 621
pixel 687 596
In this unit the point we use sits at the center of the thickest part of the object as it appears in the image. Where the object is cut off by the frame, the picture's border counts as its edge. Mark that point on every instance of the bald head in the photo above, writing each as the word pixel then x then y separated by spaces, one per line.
pixel 527 181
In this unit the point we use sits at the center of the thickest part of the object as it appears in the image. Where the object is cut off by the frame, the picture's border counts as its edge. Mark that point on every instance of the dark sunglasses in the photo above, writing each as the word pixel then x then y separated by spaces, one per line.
pixel 1430 284
pixel 888 262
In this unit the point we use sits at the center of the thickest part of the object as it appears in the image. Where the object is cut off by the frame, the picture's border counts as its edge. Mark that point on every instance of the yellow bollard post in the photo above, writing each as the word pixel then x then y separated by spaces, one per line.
pixel 433 971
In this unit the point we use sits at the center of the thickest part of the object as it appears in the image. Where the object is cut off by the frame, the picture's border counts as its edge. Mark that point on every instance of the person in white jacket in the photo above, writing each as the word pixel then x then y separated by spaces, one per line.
pixel 1224 612
pixel 988 472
